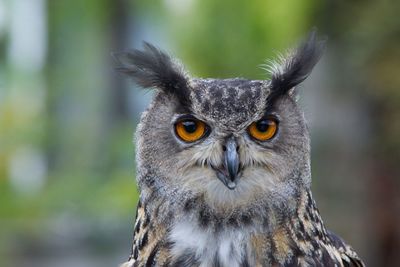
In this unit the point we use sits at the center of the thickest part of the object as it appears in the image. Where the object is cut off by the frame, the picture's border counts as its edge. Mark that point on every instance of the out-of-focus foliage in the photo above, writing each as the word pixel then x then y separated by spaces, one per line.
pixel 66 159
pixel 367 40
pixel 67 190
pixel 232 38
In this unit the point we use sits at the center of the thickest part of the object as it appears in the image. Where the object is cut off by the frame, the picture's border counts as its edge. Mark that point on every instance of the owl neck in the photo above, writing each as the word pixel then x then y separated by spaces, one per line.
pixel 293 213
pixel 298 213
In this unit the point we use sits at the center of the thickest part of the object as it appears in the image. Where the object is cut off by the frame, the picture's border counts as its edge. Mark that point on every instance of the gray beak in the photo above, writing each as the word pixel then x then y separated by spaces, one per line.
pixel 229 174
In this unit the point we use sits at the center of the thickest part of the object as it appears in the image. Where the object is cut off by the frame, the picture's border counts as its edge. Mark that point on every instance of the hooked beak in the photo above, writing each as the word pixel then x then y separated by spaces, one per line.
pixel 229 171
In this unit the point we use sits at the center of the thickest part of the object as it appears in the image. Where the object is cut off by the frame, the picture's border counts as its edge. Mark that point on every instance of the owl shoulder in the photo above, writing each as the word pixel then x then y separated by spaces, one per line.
pixel 149 247
pixel 347 254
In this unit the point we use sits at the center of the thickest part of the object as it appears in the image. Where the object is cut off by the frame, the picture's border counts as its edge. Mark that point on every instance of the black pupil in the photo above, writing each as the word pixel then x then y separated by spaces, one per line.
pixel 263 125
pixel 190 126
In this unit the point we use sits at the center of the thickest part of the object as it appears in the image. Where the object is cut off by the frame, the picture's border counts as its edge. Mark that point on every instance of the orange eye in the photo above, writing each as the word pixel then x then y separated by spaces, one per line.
pixel 190 130
pixel 264 129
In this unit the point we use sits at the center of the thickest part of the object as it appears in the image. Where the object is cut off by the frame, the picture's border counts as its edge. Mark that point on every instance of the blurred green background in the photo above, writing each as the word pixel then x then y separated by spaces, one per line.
pixel 67 187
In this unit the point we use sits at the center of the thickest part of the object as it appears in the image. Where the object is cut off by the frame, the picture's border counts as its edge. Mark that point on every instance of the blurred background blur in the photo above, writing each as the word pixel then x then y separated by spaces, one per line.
pixel 67 187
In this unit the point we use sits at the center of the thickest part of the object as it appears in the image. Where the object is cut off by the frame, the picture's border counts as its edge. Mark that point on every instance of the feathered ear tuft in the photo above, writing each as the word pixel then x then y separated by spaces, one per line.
pixel 152 68
pixel 294 69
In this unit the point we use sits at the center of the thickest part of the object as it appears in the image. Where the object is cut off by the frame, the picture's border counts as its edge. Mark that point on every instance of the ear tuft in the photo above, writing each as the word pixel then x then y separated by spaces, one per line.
pixel 294 69
pixel 152 68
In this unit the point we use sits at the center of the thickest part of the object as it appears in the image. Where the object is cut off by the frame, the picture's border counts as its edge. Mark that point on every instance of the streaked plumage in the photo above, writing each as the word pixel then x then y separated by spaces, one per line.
pixel 227 199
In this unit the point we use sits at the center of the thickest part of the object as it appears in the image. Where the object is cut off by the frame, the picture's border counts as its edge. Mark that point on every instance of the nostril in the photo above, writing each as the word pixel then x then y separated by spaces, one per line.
pixel 224 148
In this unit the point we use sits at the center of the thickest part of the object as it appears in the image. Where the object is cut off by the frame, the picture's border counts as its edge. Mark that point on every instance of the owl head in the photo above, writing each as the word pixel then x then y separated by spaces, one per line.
pixel 232 141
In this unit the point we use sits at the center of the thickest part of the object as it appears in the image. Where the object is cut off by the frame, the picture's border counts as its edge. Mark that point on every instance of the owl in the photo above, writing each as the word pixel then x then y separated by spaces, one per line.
pixel 223 168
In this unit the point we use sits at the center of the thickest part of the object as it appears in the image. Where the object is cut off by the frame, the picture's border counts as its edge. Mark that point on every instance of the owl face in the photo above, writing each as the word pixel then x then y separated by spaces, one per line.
pixel 229 140
pixel 230 144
